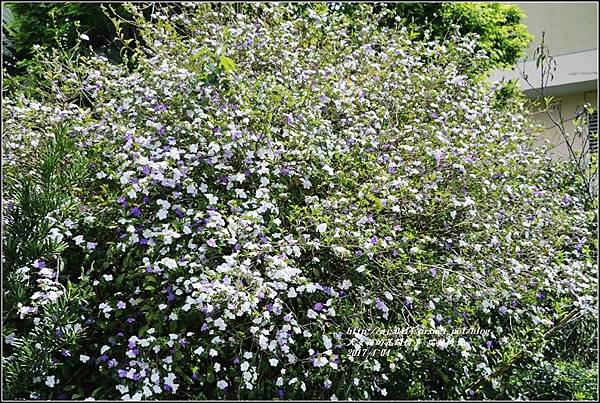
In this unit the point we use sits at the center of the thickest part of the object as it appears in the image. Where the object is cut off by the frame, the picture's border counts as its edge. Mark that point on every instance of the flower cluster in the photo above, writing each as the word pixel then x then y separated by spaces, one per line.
pixel 261 182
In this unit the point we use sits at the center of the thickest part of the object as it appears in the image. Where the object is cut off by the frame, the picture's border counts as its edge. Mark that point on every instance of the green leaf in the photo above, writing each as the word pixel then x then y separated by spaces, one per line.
pixel 226 63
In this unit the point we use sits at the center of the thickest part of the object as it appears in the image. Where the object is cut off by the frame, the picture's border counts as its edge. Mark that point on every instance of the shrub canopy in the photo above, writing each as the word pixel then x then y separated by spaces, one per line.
pixel 222 219
pixel 498 26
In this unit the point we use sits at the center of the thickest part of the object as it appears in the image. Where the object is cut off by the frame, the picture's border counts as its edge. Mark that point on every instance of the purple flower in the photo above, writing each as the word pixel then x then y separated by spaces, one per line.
pixel 122 201
pixel 438 155
pixel 103 358
pixel 280 393
pixel 179 213
pixel 92 245
pixel 121 305
pixel 136 212
pixel 374 239
pixel 211 242
pixel 488 344
pixel 236 360
pixel 122 373
pixel 379 304
pixel 39 264
pixel 130 320
pixel 318 307
pixel 580 243
pixel 65 353
pixel 112 363
pixel 503 310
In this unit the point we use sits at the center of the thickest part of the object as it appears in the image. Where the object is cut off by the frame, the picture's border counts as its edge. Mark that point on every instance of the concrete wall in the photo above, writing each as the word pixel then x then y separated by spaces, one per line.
pixel 570 26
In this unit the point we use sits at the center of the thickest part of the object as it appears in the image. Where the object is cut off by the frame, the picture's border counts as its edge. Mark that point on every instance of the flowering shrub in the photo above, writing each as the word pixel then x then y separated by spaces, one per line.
pixel 226 218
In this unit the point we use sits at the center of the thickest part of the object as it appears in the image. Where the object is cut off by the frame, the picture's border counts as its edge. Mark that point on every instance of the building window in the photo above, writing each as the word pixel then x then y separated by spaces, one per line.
pixel 593 130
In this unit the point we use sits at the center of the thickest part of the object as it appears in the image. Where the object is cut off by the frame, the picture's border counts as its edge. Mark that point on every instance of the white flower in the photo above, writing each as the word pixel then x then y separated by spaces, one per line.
pixel 220 323
pixel 170 263
pixel 84 358
pixel 155 377
pixel 162 214
pixel 51 381
pixel 222 385
pixel 442 344
pixel 108 277
pixel 199 350
pixel 463 344
pixel 273 362
pixel 84 37
pixel 322 228
pixel 10 338
pixel 78 240
pixel 327 342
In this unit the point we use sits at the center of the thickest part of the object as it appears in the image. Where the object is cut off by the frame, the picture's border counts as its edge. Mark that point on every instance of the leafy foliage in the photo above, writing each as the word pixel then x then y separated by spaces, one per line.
pixel 501 34
pixel 263 184
pixel 560 381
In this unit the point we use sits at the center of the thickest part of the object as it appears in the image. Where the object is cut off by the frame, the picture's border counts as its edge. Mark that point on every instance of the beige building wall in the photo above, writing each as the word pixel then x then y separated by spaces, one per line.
pixel 553 137
pixel 571 35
